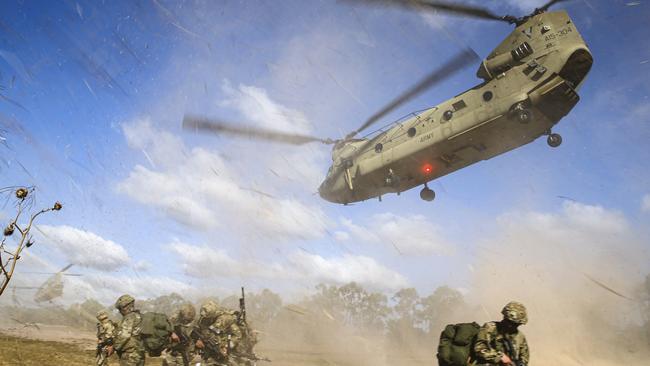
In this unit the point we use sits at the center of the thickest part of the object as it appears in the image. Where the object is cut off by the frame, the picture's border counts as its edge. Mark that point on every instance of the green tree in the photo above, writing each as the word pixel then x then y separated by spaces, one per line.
pixel 437 309
pixel 166 304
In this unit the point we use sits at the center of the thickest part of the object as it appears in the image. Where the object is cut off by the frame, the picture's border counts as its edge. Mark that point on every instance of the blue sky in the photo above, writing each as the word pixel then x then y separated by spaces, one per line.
pixel 94 93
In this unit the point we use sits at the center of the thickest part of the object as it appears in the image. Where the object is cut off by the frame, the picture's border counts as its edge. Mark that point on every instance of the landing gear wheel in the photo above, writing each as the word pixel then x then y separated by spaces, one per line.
pixel 524 116
pixel 427 194
pixel 554 140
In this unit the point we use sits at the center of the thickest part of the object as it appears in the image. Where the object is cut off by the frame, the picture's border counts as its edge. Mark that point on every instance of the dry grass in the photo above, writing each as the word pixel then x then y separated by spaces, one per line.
pixel 22 351
pixel 19 351
pixel 16 351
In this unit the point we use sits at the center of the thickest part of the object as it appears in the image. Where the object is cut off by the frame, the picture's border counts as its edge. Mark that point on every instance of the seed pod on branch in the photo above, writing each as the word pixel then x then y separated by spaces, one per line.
pixel 9 230
pixel 21 193
pixel 57 206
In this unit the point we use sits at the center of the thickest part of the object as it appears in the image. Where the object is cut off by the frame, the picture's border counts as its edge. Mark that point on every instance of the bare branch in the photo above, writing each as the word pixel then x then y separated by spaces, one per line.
pixel 8 267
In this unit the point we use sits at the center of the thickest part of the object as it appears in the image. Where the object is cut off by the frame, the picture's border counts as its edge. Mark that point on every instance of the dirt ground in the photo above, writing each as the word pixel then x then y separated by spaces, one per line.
pixel 43 345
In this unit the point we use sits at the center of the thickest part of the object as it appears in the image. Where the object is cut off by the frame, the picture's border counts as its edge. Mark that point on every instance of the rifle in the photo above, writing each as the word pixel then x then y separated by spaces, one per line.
pixel 211 346
pixel 100 354
pixel 183 343
pixel 253 357
pixel 510 351
pixel 242 306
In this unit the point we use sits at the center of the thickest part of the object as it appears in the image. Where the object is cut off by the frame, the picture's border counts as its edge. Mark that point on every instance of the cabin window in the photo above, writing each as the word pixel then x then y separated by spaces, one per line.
pixel 459 105
pixel 487 96
pixel 379 147
pixel 411 132
pixel 447 115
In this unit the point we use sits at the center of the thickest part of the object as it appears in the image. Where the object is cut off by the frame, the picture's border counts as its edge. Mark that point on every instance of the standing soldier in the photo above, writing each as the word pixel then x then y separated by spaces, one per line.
pixel 501 343
pixel 218 335
pixel 180 351
pixel 127 342
pixel 105 334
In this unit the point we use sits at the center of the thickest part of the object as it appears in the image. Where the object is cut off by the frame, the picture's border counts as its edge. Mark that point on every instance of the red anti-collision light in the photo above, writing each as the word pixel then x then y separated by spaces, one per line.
pixel 427 169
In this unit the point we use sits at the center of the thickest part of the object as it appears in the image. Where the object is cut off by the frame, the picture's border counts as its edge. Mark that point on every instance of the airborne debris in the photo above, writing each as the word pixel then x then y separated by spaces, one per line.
pixel 608 288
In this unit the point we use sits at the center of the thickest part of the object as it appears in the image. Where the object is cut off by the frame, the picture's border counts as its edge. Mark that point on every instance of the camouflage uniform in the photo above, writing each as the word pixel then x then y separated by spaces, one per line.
pixel 219 333
pixel 127 342
pixel 494 337
pixel 105 334
pixel 180 354
pixel 244 352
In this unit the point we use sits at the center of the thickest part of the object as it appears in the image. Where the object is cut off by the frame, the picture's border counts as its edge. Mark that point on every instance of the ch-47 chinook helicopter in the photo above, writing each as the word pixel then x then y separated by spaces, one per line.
pixel 530 82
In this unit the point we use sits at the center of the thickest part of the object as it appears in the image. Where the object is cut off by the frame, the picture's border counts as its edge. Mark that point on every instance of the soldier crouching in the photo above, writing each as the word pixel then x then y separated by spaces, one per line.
pixel 218 334
pixel 181 350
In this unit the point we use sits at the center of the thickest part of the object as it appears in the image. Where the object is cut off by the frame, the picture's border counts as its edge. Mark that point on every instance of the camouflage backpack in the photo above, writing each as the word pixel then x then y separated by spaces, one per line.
pixel 456 345
pixel 155 332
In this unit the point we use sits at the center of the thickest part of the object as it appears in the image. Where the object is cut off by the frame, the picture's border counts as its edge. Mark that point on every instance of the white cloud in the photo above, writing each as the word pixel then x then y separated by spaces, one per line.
pixel 410 235
pixel 142 266
pixel 205 191
pixel 341 236
pixel 160 147
pixel 256 106
pixel 299 267
pixel 84 248
pixel 645 203
pixel 348 268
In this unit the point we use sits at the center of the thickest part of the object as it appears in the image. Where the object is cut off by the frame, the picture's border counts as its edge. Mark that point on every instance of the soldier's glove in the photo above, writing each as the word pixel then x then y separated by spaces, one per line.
pixel 223 350
pixel 505 360
pixel 175 338
pixel 200 344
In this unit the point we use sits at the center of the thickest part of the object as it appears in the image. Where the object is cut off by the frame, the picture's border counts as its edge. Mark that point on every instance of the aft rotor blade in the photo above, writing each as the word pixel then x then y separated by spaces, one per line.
pixel 549 4
pixel 442 6
pixel 451 67
pixel 219 127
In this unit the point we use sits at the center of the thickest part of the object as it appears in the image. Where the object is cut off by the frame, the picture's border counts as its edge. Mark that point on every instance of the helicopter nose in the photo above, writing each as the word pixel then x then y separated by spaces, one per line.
pixel 325 191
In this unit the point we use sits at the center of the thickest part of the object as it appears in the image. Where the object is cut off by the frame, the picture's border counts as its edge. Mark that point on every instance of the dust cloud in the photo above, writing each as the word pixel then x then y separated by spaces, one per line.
pixel 565 269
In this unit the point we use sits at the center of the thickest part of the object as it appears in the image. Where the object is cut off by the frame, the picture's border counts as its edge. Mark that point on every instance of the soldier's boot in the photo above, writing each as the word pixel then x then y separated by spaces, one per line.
pixel 132 359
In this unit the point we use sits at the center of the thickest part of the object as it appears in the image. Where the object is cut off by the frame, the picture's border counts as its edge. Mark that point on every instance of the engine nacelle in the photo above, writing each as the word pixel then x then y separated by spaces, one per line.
pixel 498 64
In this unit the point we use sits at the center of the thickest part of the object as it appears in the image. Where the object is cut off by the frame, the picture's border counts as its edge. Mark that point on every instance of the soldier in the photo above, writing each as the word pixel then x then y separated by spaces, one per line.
pixel 180 351
pixel 105 334
pixel 219 334
pixel 127 342
pixel 501 343
pixel 245 348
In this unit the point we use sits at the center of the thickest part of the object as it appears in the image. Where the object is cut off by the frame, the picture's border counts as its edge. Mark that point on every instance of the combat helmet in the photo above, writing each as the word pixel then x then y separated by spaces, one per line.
pixel 515 312
pixel 124 300
pixel 102 315
pixel 209 310
pixel 187 312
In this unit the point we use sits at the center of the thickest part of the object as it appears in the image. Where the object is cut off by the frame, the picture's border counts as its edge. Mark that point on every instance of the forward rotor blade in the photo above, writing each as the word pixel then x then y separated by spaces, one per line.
pixel 218 127
pixel 451 67
pixel 457 9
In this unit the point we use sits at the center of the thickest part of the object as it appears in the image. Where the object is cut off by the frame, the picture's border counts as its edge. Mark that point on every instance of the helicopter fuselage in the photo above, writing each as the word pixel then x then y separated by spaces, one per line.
pixel 530 83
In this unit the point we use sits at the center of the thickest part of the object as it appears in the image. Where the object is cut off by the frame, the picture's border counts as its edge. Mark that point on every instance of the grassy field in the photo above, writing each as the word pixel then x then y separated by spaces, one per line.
pixel 16 351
